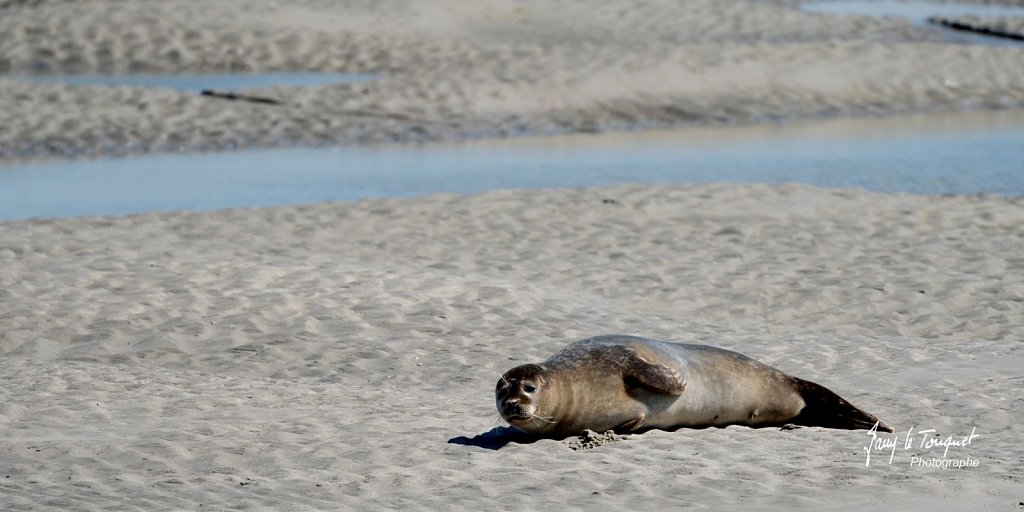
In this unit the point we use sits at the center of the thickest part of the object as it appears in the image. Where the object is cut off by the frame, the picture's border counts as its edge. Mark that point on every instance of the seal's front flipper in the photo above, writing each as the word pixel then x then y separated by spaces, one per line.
pixel 631 425
pixel 658 378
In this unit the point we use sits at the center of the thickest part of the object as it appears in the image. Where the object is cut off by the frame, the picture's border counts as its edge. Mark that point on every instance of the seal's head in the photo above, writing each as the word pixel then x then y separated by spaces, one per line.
pixel 519 398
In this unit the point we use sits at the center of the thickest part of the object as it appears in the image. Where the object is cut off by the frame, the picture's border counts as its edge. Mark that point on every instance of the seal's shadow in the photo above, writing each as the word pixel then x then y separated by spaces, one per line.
pixel 497 438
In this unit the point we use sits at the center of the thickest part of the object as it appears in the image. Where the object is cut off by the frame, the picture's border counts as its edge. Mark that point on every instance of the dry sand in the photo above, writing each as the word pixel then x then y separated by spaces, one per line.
pixel 468 68
pixel 325 356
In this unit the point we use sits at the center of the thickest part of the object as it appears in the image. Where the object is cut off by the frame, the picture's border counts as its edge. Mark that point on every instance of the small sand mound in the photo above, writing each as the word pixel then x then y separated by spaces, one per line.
pixel 590 440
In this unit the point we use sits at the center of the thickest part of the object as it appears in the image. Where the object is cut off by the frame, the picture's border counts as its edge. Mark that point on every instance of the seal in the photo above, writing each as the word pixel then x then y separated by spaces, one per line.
pixel 629 383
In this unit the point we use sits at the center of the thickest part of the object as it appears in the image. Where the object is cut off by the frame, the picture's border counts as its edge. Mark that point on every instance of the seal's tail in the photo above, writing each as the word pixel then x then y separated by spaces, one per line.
pixel 826 409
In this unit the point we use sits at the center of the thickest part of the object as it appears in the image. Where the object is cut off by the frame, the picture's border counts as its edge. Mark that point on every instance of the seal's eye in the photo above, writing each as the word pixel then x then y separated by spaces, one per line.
pixel 529 388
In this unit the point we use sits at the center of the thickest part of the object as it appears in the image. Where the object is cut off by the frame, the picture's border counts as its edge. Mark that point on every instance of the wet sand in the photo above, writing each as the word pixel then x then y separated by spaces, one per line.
pixel 457 69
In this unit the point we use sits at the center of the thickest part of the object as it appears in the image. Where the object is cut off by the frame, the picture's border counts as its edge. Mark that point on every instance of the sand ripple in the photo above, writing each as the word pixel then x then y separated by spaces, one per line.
pixel 323 356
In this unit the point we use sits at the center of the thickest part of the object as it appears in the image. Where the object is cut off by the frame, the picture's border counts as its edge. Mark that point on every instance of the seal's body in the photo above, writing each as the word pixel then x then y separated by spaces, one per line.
pixel 628 383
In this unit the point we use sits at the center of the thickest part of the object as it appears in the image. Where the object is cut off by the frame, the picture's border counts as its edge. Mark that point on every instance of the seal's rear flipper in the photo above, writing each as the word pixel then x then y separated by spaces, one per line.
pixel 826 409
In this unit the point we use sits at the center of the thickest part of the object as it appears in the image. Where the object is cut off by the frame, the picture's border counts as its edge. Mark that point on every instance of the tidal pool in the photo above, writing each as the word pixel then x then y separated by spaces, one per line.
pixel 199 82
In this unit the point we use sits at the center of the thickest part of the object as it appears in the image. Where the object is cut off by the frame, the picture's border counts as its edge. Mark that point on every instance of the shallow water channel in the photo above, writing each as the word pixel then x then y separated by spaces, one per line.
pixel 918 11
pixel 967 153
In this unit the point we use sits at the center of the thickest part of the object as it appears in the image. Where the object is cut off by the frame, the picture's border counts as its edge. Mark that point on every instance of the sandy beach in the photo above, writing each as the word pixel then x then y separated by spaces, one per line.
pixel 343 356
pixel 327 356
pixel 455 69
